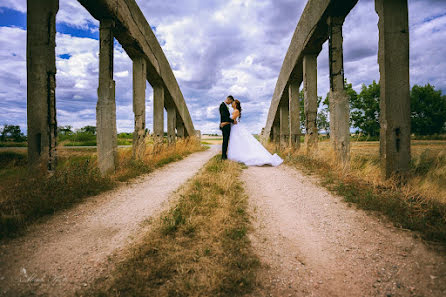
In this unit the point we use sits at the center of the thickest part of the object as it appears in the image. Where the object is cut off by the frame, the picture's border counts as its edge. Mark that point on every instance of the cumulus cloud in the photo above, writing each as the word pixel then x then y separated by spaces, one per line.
pixel 215 48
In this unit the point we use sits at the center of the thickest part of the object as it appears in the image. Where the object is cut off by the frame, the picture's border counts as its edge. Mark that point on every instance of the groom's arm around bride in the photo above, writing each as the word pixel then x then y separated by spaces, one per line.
pixel 225 120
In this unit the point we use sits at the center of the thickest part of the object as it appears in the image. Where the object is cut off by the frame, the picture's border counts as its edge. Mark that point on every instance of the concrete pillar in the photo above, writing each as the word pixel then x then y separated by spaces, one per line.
pixel 276 133
pixel 158 116
pixel 310 101
pixel 180 126
pixel 106 106
pixel 393 59
pixel 139 107
pixel 198 134
pixel 339 105
pixel 171 124
pixel 41 83
pixel 284 125
pixel 293 92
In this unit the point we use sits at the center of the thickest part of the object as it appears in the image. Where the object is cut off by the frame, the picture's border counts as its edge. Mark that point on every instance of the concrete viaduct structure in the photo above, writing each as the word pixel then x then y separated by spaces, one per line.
pixel 120 19
pixel 322 20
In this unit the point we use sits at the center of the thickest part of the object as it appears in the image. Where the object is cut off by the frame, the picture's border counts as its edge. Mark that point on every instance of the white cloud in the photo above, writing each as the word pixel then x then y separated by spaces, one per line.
pixel 215 48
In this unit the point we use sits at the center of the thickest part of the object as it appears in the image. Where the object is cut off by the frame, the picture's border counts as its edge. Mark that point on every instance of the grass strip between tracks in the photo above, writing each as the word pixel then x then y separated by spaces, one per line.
pixel 199 247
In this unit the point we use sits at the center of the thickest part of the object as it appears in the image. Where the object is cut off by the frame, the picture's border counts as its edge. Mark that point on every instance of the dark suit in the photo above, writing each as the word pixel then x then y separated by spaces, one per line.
pixel 226 130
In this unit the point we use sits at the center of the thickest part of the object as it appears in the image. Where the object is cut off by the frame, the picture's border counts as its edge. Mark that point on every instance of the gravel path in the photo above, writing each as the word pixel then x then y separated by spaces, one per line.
pixel 75 247
pixel 312 244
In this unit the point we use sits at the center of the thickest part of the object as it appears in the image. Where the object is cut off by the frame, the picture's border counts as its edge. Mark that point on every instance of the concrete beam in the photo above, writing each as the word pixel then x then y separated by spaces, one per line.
pixel 106 106
pixel 158 114
pixel 284 126
pixel 294 104
pixel 171 125
pixel 41 84
pixel 393 59
pixel 137 38
pixel 311 32
pixel 139 107
pixel 339 101
pixel 310 102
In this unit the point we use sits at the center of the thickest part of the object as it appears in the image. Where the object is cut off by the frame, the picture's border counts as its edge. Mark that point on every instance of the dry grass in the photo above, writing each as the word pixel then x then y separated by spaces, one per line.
pixel 197 248
pixel 419 204
pixel 25 198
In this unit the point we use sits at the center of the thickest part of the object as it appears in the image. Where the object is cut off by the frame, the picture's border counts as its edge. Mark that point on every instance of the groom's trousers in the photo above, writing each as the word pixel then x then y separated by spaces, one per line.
pixel 226 130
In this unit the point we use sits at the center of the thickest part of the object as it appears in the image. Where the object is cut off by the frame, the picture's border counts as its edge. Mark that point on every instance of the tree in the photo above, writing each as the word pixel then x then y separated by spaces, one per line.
pixel 428 110
pixel 364 107
pixel 65 130
pixel 89 130
pixel 323 122
pixel 12 132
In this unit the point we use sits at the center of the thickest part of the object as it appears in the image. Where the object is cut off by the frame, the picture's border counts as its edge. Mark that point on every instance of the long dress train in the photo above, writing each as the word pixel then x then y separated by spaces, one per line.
pixel 245 148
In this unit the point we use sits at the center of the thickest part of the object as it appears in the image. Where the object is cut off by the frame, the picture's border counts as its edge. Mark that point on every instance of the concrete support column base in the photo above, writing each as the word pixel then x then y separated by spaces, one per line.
pixel 311 135
pixel 276 136
pixel 284 126
pixel 295 141
pixel 340 126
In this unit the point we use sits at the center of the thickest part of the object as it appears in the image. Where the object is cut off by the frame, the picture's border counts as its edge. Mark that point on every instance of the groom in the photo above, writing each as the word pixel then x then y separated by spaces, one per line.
pixel 225 127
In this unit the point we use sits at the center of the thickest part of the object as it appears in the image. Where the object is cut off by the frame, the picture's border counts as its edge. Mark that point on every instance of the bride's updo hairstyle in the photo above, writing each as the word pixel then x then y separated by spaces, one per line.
pixel 238 106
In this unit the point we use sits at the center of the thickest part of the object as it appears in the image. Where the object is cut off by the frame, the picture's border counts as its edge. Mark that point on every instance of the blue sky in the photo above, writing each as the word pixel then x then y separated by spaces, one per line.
pixel 215 48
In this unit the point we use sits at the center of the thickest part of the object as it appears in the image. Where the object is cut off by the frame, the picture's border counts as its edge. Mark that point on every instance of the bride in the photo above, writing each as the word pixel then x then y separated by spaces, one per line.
pixel 244 147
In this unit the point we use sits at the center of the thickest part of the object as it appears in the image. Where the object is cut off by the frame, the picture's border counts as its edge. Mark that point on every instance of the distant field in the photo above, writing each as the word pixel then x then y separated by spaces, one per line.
pixel 211 139
pixel 427 170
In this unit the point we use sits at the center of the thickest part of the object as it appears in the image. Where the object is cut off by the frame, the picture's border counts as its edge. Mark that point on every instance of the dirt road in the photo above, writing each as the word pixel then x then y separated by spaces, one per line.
pixel 76 246
pixel 313 244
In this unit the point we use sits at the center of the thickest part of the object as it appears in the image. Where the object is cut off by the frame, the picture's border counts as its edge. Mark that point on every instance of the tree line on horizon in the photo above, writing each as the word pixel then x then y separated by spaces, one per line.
pixel 428 115
pixel 427 105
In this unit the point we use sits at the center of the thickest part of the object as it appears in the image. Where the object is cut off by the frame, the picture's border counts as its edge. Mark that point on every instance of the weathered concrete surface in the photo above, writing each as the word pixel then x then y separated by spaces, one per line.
pixel 137 38
pixel 139 106
pixel 106 107
pixel 339 100
pixel 180 127
pixel 310 101
pixel 311 32
pixel 276 133
pixel 171 125
pixel 284 125
pixel 41 83
pixel 198 134
pixel 158 114
pixel 393 59
pixel 293 92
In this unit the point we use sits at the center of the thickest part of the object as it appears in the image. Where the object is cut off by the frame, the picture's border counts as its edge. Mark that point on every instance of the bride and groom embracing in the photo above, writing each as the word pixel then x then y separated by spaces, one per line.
pixel 238 144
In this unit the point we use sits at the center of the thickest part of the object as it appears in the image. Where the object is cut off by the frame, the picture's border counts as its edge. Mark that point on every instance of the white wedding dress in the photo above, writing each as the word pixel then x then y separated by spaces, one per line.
pixel 245 148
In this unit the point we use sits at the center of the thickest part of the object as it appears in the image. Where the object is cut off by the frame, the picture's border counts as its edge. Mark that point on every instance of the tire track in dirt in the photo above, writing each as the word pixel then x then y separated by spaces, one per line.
pixel 312 244
pixel 76 246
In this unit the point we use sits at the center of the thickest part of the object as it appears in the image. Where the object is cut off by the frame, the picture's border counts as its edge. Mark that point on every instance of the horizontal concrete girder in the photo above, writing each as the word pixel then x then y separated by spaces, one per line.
pixel 137 38
pixel 311 32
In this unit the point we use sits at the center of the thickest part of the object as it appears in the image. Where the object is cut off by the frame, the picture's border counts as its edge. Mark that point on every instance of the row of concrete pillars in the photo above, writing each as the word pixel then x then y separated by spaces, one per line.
pixel 41 100
pixel 393 59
